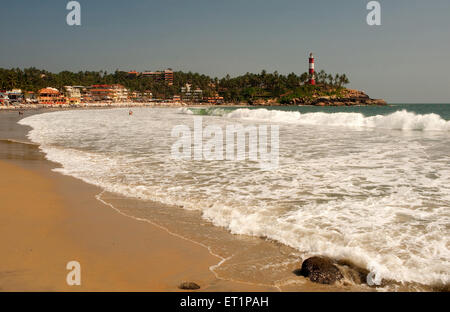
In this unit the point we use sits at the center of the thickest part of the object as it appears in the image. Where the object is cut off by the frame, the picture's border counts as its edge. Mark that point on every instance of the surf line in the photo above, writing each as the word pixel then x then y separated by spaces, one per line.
pixel 211 268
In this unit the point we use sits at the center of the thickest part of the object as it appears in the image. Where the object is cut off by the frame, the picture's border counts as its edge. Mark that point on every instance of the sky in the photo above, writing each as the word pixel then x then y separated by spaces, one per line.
pixel 405 60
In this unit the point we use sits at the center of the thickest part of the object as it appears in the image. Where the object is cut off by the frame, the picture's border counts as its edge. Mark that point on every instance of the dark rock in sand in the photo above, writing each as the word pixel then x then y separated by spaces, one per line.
pixel 320 270
pixel 189 286
pixel 353 273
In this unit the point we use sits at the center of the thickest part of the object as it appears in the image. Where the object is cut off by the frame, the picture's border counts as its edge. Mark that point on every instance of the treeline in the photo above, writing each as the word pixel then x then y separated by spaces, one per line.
pixel 247 87
pixel 251 87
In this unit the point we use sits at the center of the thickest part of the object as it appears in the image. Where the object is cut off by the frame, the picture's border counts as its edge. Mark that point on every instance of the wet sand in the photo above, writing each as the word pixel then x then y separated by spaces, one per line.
pixel 47 222
pixel 48 219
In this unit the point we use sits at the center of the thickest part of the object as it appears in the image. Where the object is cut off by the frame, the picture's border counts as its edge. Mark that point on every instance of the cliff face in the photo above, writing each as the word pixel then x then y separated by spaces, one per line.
pixel 348 97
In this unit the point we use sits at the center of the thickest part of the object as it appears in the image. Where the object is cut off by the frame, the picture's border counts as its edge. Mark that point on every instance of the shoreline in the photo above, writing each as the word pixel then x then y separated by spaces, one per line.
pixel 49 219
pixel 38 107
pixel 41 242
pixel 210 279
pixel 22 159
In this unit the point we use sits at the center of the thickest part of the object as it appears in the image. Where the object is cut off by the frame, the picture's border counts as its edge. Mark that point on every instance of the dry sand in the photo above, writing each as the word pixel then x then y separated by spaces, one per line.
pixel 45 223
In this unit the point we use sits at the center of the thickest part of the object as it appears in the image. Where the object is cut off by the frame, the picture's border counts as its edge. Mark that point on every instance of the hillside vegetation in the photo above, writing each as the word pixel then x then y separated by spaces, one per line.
pixel 249 88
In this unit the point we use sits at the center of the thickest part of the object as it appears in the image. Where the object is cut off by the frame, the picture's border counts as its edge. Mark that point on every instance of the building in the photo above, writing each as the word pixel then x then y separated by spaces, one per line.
pixel 51 96
pixel 73 94
pixel 30 97
pixel 133 73
pixel 4 100
pixel 86 96
pixel 216 99
pixel 15 96
pixel 101 93
pixel 188 94
pixel 147 96
pixel 120 93
pixel 197 95
pixel 312 79
pixel 109 93
pixel 73 91
pixel 166 75
pixel 135 96
pixel 73 101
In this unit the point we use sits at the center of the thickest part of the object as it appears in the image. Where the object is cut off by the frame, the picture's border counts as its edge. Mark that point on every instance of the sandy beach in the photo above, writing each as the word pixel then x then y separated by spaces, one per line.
pixel 48 219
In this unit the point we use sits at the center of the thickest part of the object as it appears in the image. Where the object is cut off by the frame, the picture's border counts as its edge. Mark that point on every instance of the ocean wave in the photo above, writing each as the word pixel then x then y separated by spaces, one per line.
pixel 399 120
pixel 208 111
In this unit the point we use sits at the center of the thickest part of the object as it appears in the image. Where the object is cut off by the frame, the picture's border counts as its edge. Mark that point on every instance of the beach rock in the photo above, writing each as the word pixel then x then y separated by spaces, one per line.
pixel 321 270
pixel 353 273
pixel 189 286
pixel 377 102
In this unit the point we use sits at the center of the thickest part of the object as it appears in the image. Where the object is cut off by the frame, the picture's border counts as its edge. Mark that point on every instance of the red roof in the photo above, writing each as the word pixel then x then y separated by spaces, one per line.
pixel 101 90
pixel 101 86
pixel 49 91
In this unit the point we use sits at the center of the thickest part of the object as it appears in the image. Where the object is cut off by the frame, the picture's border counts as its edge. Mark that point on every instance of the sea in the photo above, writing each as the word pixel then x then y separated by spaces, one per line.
pixel 365 184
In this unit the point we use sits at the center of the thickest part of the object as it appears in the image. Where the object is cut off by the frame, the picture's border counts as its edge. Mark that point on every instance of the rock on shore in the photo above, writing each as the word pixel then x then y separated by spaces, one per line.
pixel 189 286
pixel 321 270
pixel 348 98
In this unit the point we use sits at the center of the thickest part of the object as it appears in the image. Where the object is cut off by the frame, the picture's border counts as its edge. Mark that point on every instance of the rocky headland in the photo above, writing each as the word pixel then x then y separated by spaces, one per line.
pixel 348 97
pixel 323 97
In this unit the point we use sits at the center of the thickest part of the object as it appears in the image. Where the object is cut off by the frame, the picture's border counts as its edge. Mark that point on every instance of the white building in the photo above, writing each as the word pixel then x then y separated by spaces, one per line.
pixel 191 95
pixel 120 93
pixel 73 94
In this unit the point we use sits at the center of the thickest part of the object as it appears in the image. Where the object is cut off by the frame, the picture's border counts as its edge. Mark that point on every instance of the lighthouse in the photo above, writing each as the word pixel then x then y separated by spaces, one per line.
pixel 312 80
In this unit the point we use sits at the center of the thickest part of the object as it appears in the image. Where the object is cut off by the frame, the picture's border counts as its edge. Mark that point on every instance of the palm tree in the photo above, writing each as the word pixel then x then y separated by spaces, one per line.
pixel 330 79
pixel 304 77
pixel 321 76
pixel 345 80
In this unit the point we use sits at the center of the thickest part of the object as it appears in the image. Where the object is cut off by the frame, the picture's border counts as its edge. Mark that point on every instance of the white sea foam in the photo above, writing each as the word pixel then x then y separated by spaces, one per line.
pixel 400 120
pixel 380 198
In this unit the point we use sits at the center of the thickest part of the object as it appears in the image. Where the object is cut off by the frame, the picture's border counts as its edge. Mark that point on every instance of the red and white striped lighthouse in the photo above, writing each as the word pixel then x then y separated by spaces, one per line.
pixel 312 80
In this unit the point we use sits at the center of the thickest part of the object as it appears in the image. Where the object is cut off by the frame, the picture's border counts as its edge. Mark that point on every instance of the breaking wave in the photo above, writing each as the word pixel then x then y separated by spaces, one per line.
pixel 400 120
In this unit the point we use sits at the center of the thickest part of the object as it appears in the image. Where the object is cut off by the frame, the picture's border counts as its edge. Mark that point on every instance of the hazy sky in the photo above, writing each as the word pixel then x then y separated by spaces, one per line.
pixel 404 60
